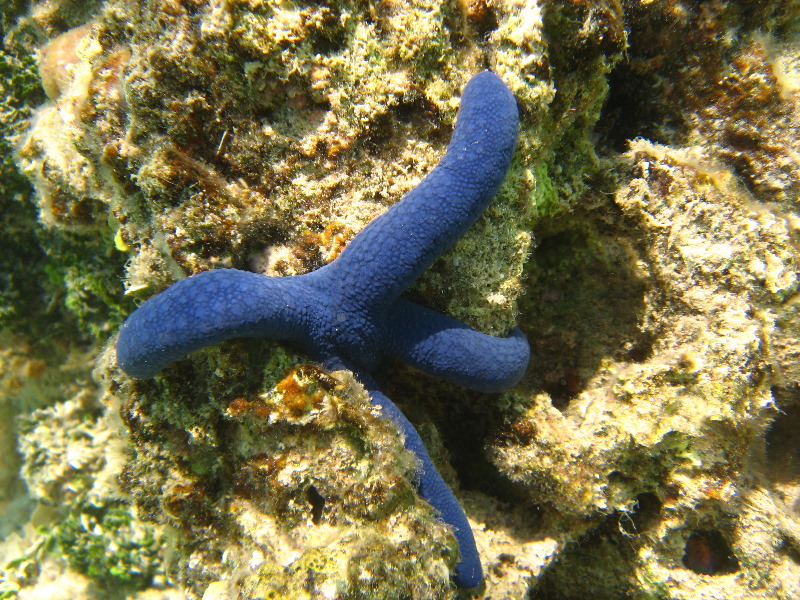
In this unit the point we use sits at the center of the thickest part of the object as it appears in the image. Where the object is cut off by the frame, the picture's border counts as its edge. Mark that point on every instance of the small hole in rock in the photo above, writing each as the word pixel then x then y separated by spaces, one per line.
pixel 563 386
pixel 708 553
pixel 317 503
pixel 639 351
pixel 482 17
pixel 644 515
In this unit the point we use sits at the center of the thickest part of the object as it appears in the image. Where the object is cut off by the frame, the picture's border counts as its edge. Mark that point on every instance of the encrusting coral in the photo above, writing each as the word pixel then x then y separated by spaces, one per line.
pixel 652 200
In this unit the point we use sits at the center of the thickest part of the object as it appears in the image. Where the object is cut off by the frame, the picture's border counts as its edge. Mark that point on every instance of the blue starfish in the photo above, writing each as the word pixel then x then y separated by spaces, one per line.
pixel 350 313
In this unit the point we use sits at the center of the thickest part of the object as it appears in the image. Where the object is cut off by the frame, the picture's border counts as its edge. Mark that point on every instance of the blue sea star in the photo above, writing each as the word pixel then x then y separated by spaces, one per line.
pixel 350 314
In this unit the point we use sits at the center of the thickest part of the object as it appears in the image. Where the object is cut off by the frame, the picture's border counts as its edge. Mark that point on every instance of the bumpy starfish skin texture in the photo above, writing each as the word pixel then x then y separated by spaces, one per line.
pixel 349 313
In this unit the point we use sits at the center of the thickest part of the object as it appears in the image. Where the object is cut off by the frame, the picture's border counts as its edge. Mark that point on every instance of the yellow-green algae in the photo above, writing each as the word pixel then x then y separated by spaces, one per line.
pixel 659 291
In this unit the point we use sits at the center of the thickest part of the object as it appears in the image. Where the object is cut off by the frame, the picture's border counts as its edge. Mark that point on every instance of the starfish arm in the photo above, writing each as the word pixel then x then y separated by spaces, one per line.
pixel 432 488
pixel 446 348
pixel 205 309
pixel 392 251
pixel 430 485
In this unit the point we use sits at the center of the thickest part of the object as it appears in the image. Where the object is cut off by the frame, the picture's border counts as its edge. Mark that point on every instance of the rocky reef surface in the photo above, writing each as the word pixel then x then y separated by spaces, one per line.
pixel 646 240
